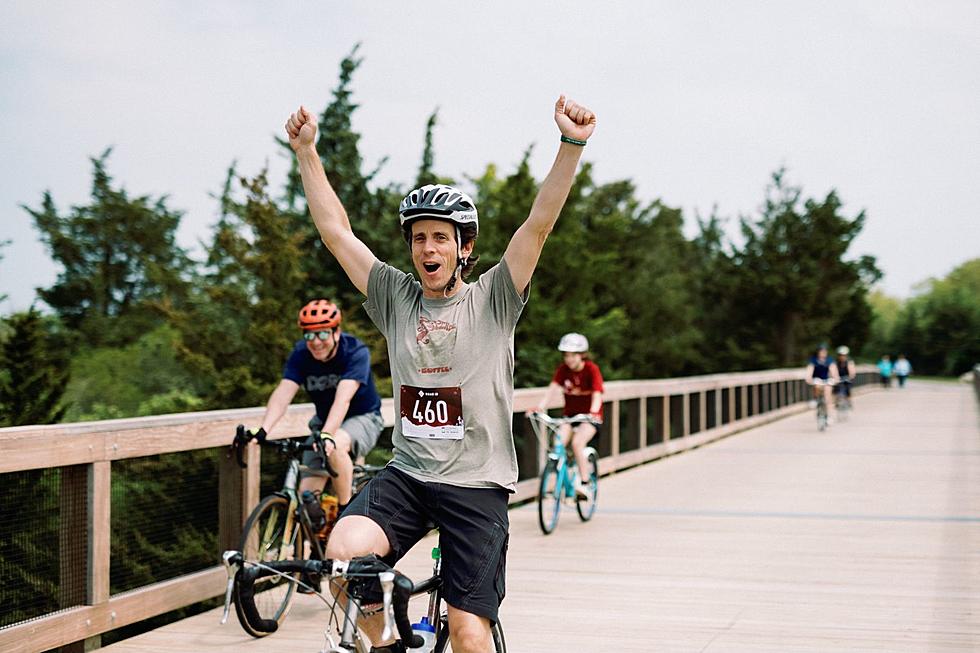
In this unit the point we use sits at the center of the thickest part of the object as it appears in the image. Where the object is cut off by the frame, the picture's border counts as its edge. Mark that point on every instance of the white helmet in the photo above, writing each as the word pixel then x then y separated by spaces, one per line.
pixel 574 342
pixel 843 350
pixel 438 202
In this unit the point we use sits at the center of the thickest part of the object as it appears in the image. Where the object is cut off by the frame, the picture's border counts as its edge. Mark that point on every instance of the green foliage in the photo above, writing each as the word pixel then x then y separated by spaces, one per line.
pixel 33 371
pixel 143 378
pixel 238 323
pixel 794 287
pixel 938 329
pixel 119 257
pixel 28 561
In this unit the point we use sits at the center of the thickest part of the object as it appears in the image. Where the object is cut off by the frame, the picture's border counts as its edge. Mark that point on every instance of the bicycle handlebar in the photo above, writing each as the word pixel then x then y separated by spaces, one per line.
pixel 396 595
pixel 288 447
pixel 558 421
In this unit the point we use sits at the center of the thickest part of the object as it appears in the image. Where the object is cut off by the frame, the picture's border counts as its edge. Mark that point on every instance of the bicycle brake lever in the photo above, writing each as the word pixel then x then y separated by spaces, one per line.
pixel 232 561
pixel 387 579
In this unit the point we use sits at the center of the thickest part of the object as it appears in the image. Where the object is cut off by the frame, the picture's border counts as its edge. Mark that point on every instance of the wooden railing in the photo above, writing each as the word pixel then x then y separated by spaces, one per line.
pixel 645 420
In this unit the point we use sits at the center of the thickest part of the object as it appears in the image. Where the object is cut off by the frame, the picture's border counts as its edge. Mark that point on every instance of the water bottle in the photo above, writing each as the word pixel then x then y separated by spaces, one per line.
pixel 331 507
pixel 427 632
pixel 313 510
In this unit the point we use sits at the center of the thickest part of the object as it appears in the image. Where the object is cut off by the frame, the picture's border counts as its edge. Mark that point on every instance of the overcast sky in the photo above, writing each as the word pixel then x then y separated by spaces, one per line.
pixel 697 102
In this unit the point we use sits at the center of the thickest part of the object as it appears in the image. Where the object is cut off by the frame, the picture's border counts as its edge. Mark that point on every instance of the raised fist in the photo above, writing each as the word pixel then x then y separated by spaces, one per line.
pixel 574 120
pixel 301 129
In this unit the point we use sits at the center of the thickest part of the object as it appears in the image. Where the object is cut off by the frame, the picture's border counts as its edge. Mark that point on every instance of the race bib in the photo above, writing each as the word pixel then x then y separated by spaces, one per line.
pixel 432 413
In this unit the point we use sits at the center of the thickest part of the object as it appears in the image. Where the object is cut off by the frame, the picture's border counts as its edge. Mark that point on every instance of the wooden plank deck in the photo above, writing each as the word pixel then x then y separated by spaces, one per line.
pixel 780 539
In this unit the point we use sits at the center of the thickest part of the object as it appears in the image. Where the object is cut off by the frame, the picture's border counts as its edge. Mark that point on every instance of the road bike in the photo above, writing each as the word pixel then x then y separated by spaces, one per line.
pixel 282 526
pixel 559 477
pixel 355 584
pixel 822 415
pixel 842 399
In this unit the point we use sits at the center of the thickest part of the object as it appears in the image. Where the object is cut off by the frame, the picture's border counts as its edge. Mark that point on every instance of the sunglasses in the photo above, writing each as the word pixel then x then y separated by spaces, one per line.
pixel 322 335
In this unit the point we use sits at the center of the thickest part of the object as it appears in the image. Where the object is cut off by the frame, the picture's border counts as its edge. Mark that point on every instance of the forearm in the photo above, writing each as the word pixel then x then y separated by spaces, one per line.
pixel 596 403
pixel 277 405
pixel 328 213
pixel 550 394
pixel 554 190
pixel 338 411
pixel 346 390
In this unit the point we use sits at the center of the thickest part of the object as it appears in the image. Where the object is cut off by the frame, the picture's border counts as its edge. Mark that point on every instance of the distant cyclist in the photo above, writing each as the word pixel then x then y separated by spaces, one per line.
pixel 335 370
pixel 846 372
pixel 821 373
pixel 581 382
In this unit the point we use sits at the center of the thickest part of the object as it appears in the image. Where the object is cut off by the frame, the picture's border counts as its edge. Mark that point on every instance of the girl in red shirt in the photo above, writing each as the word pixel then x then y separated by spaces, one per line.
pixel 580 380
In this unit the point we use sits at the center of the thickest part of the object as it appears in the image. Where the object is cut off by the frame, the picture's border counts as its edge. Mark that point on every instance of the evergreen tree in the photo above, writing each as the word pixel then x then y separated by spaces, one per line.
pixel 119 258
pixel 795 287
pixel 33 372
pixel 238 325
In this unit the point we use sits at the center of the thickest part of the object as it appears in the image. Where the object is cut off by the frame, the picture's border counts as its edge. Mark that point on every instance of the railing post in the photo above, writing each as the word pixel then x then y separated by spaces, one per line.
pixel 731 403
pixel 686 412
pixel 238 493
pixel 702 410
pixel 614 430
pixel 643 438
pixel 718 419
pixel 85 501
pixel 666 417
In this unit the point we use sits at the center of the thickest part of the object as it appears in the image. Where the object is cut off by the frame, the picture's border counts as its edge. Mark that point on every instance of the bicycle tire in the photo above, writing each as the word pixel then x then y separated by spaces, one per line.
pixel 263 539
pixel 443 645
pixel 821 415
pixel 586 507
pixel 549 498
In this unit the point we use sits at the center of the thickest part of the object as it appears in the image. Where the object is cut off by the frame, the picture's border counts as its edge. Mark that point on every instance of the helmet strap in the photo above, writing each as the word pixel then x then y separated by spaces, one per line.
pixel 460 264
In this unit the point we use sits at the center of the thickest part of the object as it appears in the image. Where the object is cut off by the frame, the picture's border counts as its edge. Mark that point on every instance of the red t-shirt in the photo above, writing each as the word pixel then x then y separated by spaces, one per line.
pixel 578 387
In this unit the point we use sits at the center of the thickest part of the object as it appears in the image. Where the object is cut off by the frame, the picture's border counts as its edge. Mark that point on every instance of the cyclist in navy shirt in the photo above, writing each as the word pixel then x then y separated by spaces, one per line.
pixel 335 370
pixel 821 373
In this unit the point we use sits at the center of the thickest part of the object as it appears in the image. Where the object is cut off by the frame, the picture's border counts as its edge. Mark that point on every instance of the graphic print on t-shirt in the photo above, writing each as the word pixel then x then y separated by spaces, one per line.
pixel 436 342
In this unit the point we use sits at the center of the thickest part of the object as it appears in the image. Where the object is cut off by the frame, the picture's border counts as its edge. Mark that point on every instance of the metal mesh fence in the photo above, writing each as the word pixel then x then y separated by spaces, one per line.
pixel 42 563
pixel 164 517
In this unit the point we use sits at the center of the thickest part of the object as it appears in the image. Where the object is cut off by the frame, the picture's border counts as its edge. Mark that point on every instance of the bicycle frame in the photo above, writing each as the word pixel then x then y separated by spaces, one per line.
pixel 559 477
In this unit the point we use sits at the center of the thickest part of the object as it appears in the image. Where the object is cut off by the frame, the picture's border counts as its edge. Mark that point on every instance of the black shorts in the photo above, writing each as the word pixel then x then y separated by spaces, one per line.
pixel 473 533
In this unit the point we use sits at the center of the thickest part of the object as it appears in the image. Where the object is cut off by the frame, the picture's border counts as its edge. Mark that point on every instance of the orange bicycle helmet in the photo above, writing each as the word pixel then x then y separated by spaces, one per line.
pixel 319 314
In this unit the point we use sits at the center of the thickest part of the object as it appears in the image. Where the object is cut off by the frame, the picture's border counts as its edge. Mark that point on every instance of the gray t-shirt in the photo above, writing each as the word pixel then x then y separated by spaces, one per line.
pixel 451 355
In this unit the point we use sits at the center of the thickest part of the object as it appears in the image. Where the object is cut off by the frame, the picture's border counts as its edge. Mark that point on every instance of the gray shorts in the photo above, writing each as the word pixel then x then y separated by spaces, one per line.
pixel 363 431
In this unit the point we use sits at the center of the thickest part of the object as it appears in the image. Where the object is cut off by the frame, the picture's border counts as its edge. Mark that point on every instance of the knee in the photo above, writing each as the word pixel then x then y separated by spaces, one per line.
pixel 470 635
pixel 354 536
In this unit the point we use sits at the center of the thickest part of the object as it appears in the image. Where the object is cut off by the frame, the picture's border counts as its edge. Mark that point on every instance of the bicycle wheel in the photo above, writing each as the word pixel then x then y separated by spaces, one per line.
pixel 586 507
pixel 265 539
pixel 443 645
pixel 549 497
pixel 821 415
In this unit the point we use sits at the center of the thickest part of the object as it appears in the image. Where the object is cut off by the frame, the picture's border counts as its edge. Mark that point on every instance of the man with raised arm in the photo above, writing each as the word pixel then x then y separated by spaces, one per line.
pixel 451 347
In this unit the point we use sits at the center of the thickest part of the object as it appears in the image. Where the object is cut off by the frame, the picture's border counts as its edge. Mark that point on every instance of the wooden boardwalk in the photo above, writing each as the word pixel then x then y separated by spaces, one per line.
pixel 780 539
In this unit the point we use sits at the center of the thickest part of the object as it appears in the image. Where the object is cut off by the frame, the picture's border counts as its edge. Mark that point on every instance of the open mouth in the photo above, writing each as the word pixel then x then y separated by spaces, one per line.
pixel 431 267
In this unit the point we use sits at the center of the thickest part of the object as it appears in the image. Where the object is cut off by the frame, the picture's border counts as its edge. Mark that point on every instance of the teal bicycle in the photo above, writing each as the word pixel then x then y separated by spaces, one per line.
pixel 559 478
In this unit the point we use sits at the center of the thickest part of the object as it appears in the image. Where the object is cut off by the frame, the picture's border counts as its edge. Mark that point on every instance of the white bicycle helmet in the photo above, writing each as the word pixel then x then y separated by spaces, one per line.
pixel 843 350
pixel 573 342
pixel 438 202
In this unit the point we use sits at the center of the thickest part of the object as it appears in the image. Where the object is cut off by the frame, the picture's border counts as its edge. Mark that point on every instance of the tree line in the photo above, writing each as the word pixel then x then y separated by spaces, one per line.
pixel 137 326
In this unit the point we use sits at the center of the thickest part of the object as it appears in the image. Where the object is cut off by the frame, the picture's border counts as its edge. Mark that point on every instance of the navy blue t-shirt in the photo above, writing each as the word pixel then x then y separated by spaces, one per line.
pixel 319 379
pixel 821 370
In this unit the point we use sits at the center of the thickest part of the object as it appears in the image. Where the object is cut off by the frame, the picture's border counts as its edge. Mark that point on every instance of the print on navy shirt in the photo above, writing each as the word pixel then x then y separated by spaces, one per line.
pixel 320 379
